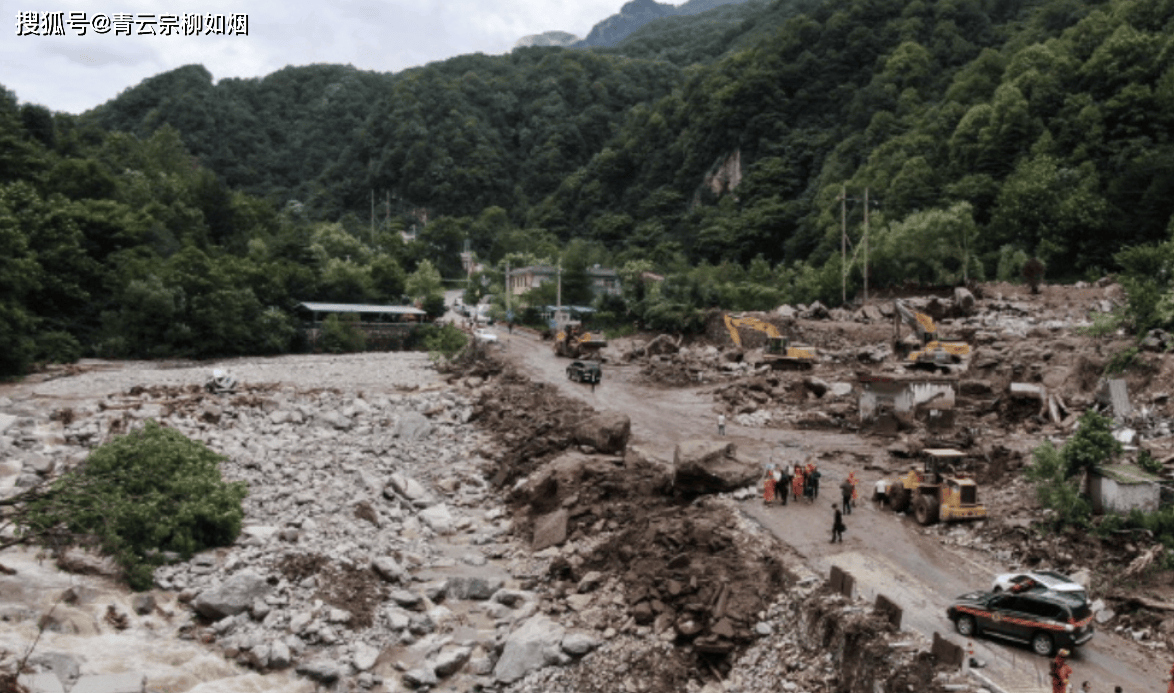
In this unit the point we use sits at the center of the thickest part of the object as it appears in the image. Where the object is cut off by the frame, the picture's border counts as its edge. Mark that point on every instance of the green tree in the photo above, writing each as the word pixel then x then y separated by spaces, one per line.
pixel 424 282
pixel 138 496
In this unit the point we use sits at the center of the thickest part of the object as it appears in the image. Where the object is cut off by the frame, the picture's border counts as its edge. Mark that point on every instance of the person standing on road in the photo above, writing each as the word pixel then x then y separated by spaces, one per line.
pixel 846 490
pixel 768 485
pixel 783 486
pixel 721 424
pixel 814 474
pixel 880 491
pixel 797 483
pixel 855 482
pixel 1060 672
pixel 837 525
pixel 1170 686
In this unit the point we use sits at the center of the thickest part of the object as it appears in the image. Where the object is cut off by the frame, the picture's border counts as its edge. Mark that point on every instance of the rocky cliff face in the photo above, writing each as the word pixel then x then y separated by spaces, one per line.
pixel 637 13
pixel 549 38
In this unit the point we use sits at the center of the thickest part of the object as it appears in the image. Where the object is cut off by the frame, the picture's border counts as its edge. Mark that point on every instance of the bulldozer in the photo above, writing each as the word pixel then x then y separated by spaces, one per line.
pixel 934 353
pixel 778 352
pixel 573 342
pixel 938 491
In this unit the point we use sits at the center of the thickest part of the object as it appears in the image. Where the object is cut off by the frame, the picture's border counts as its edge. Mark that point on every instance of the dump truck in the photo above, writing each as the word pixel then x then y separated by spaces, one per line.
pixel 939 491
pixel 778 353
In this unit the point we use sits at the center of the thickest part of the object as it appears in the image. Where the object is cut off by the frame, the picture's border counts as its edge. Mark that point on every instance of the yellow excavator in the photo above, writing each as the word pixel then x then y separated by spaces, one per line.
pixel 779 353
pixel 934 353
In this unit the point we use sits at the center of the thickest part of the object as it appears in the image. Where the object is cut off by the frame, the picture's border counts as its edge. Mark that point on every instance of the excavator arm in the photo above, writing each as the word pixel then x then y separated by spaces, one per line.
pixel 922 325
pixel 732 324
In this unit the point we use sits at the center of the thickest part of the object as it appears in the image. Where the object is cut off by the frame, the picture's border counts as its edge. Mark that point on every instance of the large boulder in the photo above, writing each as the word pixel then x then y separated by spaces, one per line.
pixel 413 425
pixel 478 588
pixel 710 466
pixel 528 648
pixel 608 432
pixel 237 594
pixel 963 300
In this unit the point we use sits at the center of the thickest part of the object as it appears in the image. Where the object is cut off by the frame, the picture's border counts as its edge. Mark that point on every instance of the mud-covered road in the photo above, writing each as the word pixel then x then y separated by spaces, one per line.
pixel 887 554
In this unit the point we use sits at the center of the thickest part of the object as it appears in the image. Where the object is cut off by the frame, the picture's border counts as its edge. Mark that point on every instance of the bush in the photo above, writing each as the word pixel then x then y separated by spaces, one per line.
pixel 445 340
pixel 150 491
pixel 342 335
pixel 58 347
pixel 1147 462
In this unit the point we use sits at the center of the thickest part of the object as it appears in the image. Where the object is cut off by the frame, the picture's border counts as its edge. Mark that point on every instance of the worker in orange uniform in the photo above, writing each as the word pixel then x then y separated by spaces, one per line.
pixel 1060 672
pixel 768 485
pixel 797 482
pixel 1170 686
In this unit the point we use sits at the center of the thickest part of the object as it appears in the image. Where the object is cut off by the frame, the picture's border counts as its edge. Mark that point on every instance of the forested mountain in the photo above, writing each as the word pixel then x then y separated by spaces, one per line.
pixel 713 149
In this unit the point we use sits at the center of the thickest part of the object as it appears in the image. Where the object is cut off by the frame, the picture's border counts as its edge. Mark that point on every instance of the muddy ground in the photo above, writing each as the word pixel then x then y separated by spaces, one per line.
pixel 1017 337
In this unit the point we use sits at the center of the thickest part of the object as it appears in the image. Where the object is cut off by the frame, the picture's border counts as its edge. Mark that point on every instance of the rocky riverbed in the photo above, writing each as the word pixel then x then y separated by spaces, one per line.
pixel 377 554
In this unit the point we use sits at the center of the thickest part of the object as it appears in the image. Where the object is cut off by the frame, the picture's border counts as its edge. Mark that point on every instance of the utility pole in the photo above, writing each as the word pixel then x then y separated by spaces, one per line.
pixel 866 246
pixel 372 216
pixel 560 286
pixel 508 289
pixel 843 244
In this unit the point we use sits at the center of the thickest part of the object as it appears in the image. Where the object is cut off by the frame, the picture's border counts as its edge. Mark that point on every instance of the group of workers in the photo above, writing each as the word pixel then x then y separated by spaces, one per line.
pixel 779 483
pixel 802 481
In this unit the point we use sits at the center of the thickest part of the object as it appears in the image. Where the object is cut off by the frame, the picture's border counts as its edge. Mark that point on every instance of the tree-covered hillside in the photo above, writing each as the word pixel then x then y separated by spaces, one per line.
pixel 713 149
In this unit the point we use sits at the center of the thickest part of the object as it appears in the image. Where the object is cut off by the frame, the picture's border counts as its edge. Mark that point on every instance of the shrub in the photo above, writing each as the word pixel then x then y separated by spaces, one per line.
pixel 342 335
pixel 445 340
pixel 142 494
pixel 58 347
pixel 1147 462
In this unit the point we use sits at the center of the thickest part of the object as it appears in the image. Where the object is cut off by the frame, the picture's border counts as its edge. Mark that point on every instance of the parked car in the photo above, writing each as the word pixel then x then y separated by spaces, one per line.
pixel 585 372
pixel 485 335
pixel 1036 580
pixel 1044 619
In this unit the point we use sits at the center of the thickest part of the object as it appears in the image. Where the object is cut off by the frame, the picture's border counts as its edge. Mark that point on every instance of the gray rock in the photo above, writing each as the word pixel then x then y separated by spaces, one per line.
pixel 578 644
pixel 321 670
pixel 512 598
pixel 234 596
pixel 413 426
pixel 142 604
pixel 407 599
pixel 608 432
pixel 334 419
pixel 388 569
pixel 365 657
pixel 450 661
pixel 7 421
pixel 478 588
pixel 418 678
pixel 408 487
pixel 550 529
pixel 709 466
pixel 525 648
pixel 436 590
pixel 438 518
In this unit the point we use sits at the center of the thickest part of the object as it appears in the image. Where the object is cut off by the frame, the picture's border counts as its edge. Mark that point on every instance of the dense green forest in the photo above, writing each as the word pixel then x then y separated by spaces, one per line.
pixel 186 217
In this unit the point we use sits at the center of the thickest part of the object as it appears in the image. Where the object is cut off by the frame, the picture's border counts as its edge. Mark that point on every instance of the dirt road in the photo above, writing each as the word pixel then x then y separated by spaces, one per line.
pixel 886 553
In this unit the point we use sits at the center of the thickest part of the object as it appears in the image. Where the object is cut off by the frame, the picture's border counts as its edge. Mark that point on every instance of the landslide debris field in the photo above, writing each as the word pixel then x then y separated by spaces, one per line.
pixel 492 530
